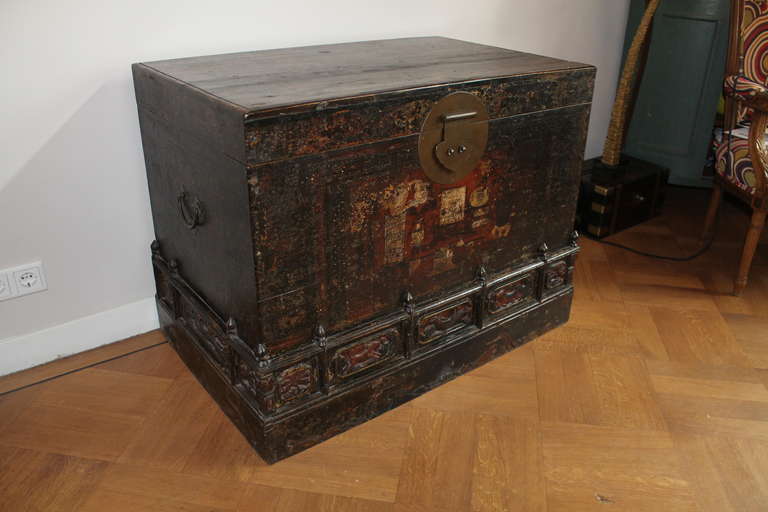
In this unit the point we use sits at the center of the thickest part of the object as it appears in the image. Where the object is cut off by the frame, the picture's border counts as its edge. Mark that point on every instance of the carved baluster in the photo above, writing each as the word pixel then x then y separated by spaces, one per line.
pixel 164 289
pixel 575 238
pixel 572 259
pixel 175 276
pixel 155 248
pixel 262 356
pixel 231 354
pixel 481 301
pixel 409 304
pixel 540 284
pixel 321 340
pixel 265 378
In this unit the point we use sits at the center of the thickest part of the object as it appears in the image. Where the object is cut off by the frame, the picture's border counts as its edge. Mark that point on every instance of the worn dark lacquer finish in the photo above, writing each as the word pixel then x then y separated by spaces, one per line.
pixel 311 270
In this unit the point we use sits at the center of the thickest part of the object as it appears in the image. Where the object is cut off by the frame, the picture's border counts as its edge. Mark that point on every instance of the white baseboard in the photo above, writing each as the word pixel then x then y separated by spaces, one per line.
pixel 28 350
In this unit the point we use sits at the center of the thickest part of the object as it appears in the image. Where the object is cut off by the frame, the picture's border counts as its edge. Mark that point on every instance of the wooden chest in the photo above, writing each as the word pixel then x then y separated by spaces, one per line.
pixel 341 228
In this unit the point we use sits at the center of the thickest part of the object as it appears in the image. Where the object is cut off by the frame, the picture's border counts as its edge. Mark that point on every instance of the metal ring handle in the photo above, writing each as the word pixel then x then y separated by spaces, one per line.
pixel 191 209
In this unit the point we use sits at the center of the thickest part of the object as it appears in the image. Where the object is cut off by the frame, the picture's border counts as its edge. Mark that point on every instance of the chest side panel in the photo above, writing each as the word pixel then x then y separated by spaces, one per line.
pixel 188 180
pixel 198 117
pixel 343 235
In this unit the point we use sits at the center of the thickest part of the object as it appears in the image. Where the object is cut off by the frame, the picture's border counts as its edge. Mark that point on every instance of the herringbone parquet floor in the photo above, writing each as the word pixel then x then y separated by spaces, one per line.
pixel 653 397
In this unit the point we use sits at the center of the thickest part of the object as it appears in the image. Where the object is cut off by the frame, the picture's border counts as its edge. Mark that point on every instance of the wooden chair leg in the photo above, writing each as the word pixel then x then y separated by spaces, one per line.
pixel 750 244
pixel 714 204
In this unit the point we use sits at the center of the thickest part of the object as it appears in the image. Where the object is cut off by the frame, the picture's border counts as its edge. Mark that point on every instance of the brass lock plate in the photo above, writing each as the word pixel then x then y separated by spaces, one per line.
pixel 453 137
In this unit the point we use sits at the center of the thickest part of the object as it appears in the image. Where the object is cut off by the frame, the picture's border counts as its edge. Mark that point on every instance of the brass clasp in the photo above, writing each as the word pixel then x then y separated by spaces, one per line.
pixel 456 146
pixel 453 137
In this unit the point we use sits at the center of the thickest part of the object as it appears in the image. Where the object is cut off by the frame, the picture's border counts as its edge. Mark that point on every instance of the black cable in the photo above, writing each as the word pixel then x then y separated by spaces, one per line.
pixel 704 248
pixel 25 386
pixel 695 255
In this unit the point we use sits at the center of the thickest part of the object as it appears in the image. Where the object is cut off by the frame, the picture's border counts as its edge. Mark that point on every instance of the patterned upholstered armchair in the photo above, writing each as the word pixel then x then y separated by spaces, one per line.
pixel 742 163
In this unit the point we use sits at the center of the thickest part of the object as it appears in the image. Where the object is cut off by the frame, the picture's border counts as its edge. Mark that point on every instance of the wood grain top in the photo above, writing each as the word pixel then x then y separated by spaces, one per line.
pixel 269 79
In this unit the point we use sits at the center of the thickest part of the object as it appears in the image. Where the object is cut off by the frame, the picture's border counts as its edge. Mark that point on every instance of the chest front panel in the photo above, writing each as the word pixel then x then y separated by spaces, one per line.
pixel 340 237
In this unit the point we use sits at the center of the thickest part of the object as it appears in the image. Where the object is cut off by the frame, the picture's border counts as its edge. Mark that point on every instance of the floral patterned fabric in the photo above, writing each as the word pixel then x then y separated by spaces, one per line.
pixel 734 163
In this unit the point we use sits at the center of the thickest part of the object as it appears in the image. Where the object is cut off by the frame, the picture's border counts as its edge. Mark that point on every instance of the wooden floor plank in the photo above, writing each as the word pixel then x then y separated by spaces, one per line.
pixel 260 498
pixel 624 392
pixel 31 480
pixel 168 437
pixel 752 334
pixel 588 467
pixel 363 462
pixel 159 361
pixel 596 389
pixel 102 500
pixel 566 387
pixel 170 488
pixel 729 472
pixel 698 337
pixel 104 391
pixel 417 485
pixel 711 400
pixel 437 469
pixel 646 332
pixel 507 471
pixel 69 431
pixel 66 364
pixel 223 453
pixel 13 404
pixel 707 482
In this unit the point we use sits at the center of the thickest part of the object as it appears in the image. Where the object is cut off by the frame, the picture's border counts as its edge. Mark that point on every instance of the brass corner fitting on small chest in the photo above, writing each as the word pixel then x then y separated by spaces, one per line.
pixel 453 137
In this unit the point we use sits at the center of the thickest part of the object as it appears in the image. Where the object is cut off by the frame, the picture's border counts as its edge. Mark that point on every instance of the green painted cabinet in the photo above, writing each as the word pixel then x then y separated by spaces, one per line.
pixel 677 100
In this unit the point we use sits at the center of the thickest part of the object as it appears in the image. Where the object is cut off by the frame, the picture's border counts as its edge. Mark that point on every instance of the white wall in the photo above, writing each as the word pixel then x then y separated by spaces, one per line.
pixel 72 185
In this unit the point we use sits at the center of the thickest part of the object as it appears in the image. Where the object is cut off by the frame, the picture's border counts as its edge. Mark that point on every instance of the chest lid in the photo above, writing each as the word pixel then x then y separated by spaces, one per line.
pixel 263 81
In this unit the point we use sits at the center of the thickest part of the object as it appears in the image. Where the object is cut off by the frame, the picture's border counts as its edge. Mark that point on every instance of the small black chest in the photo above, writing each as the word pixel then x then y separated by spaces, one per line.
pixel 341 228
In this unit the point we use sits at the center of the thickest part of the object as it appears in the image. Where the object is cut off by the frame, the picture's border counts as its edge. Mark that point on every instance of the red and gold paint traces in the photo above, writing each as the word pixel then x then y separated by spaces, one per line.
pixel 296 381
pixel 396 200
pixel 394 238
pixel 409 194
pixel 365 353
pixel 452 205
pixel 431 227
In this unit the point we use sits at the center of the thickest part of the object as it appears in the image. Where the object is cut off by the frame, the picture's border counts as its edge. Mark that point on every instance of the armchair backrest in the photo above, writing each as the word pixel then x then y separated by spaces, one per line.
pixel 747 53
pixel 754 40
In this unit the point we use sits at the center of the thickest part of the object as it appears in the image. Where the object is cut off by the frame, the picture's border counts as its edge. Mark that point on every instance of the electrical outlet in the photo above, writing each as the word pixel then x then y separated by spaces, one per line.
pixel 7 290
pixel 29 278
pixel 22 280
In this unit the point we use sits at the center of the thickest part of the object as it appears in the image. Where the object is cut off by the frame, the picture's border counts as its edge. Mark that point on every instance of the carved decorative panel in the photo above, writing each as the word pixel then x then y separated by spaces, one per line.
pixel 207 331
pixel 512 294
pixel 261 387
pixel 296 381
pixel 366 353
pixel 556 275
pixel 436 325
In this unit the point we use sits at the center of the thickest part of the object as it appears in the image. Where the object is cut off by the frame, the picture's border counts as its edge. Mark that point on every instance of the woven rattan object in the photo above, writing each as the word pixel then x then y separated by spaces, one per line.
pixel 615 139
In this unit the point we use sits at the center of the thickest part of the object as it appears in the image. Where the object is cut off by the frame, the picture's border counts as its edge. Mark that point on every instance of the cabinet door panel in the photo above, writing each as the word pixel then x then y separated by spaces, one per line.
pixel 677 99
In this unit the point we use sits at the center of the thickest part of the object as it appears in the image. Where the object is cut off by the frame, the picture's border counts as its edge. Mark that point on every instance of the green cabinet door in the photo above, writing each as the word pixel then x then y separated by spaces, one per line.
pixel 677 101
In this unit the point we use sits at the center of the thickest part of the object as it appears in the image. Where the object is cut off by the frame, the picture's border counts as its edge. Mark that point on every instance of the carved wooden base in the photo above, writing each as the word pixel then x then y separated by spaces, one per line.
pixel 286 435
pixel 284 403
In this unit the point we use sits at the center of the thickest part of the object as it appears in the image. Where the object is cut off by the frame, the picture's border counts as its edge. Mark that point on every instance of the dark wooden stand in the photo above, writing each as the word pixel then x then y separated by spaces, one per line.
pixel 617 198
